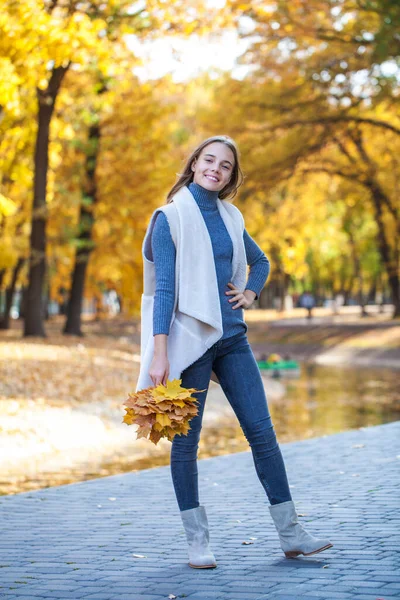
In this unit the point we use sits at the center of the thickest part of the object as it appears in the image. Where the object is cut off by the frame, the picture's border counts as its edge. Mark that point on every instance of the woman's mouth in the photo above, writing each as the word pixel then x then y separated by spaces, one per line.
pixel 212 178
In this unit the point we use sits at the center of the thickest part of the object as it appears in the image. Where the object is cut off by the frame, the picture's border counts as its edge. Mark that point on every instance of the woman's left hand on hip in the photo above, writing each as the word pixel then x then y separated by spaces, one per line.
pixel 243 299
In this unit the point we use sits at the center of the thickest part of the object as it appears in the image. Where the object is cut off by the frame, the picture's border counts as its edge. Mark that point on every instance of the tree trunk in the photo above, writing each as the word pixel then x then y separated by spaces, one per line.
pixel 390 264
pixel 5 320
pixel 22 304
pixel 348 291
pixel 371 296
pixel 86 221
pixel 37 260
pixel 74 310
pixel 357 273
pixel 282 292
pixel 361 298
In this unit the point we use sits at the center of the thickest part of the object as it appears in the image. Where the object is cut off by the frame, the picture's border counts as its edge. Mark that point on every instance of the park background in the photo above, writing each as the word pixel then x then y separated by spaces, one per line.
pixel 100 104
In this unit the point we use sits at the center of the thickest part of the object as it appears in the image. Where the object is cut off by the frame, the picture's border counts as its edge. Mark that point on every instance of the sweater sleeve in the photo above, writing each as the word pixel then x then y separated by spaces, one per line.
pixel 164 256
pixel 258 263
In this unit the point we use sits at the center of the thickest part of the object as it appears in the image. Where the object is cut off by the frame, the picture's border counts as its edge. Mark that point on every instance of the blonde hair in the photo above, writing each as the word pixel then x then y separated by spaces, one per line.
pixel 237 177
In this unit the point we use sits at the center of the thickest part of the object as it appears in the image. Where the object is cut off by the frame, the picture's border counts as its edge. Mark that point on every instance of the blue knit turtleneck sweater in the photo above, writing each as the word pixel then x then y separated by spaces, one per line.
pixel 164 254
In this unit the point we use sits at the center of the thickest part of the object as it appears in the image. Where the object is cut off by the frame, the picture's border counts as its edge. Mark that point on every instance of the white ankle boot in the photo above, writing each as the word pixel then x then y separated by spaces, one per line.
pixel 196 527
pixel 293 537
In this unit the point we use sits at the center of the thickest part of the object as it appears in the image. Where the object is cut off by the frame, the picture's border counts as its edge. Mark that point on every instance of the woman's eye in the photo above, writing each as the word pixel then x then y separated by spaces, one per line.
pixel 226 167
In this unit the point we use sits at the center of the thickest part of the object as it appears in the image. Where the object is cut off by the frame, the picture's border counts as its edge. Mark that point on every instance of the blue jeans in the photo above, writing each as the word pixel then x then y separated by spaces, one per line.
pixel 234 364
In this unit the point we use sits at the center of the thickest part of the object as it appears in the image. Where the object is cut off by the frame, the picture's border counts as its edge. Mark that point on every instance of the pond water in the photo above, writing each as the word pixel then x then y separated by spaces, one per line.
pixel 323 400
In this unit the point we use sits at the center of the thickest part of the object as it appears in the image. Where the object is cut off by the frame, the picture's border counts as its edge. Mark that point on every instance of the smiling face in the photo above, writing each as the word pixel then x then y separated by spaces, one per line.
pixel 213 168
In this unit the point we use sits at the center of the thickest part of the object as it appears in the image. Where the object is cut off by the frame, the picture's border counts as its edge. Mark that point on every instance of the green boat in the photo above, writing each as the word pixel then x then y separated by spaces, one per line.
pixel 279 367
pixel 281 364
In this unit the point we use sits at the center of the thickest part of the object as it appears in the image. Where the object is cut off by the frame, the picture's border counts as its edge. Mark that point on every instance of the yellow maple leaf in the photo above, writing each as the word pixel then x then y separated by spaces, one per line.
pixel 163 419
pixel 179 403
pixel 173 390
pixel 128 419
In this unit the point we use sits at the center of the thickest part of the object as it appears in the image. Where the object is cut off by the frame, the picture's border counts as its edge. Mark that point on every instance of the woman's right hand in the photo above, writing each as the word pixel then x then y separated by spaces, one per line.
pixel 159 369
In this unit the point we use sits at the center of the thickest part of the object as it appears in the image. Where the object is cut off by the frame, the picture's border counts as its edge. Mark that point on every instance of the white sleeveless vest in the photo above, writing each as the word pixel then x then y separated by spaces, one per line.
pixel 196 322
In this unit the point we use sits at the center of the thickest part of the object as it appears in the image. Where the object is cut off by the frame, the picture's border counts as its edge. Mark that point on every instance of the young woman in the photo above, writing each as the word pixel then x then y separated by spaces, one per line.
pixel 196 251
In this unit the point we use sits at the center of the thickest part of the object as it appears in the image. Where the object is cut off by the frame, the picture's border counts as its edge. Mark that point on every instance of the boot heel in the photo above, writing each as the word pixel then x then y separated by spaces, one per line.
pixel 292 554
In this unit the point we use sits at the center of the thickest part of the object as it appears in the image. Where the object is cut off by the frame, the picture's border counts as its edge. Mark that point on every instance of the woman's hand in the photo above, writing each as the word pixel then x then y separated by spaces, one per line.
pixel 159 369
pixel 244 299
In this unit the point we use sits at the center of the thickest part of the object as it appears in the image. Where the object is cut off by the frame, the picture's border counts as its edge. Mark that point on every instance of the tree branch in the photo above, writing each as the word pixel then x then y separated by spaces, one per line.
pixel 338 119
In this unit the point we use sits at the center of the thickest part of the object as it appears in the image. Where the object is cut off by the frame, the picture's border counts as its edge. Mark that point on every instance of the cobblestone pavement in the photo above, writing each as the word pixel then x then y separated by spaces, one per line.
pixel 79 541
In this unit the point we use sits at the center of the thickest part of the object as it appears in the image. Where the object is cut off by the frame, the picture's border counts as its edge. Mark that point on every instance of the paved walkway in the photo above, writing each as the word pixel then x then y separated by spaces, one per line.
pixel 78 541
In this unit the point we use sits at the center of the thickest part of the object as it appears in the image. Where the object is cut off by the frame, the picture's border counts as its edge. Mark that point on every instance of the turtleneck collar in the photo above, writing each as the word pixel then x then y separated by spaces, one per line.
pixel 206 199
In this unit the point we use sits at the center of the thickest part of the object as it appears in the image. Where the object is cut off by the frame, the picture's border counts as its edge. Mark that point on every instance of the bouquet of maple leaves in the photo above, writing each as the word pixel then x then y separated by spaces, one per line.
pixel 161 411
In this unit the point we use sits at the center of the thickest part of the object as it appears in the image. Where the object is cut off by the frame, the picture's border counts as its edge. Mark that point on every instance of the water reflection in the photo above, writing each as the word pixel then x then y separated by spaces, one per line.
pixel 323 400
pixel 327 400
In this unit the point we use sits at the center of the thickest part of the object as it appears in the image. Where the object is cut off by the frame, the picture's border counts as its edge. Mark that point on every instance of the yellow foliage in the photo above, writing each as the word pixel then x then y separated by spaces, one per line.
pixel 8 253
pixel 7 207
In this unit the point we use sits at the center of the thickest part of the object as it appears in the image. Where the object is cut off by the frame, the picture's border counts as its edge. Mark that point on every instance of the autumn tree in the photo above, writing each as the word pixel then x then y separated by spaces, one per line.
pixel 115 143
pixel 320 94
pixel 61 36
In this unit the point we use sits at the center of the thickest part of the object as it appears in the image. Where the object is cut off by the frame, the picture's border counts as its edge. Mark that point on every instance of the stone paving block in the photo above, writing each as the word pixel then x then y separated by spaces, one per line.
pixel 51 593
pixel 99 596
pixel 288 589
pixel 374 593
pixel 371 597
pixel 325 594
pixel 337 588
pixel 23 589
pixel 244 595
pixel 361 583
pixel 286 579
pixel 209 595
pixel 19 593
pixel 395 585
pixel 248 585
pixel 85 589
pixel 285 596
pixel 13 597
pixel 376 576
pixel 140 597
